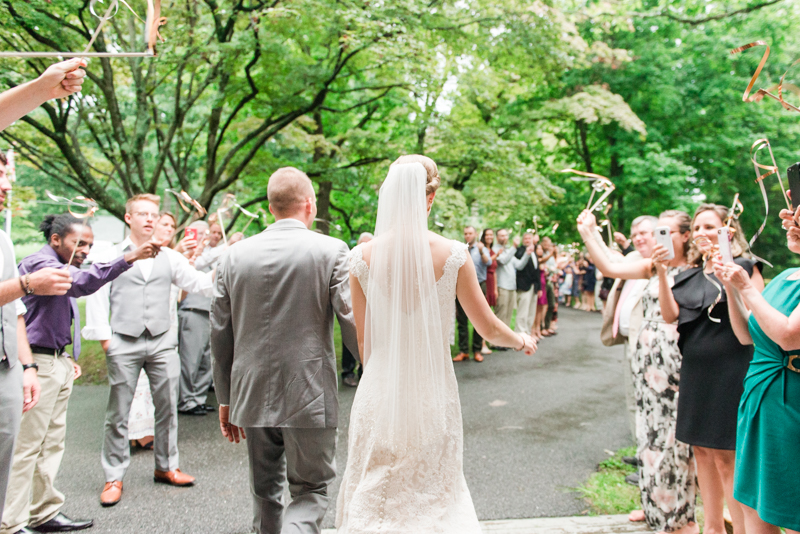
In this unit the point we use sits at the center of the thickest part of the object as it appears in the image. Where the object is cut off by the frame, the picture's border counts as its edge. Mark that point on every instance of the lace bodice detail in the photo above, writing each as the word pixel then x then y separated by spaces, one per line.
pixel 445 286
pixel 412 490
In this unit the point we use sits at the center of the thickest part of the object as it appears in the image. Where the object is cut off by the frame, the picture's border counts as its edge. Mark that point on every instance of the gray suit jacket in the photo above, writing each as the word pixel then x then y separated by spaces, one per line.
pixel 272 327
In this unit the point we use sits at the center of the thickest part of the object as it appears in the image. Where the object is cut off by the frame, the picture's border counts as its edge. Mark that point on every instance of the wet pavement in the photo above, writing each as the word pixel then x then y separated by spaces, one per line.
pixel 534 429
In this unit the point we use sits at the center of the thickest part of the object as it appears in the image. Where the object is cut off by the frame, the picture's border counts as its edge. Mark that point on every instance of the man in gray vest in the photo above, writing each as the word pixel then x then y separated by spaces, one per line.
pixel 194 329
pixel 274 362
pixel 138 336
pixel 19 385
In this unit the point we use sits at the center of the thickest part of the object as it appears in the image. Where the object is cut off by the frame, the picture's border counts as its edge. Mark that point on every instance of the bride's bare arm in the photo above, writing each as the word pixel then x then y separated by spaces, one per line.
pixel 485 322
pixel 359 311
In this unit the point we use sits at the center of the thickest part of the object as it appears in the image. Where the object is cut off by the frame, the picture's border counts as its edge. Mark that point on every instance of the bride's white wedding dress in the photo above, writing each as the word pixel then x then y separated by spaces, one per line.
pixel 404 469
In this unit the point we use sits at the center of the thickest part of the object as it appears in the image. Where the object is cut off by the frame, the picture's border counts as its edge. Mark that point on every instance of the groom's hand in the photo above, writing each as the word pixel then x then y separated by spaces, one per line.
pixel 228 430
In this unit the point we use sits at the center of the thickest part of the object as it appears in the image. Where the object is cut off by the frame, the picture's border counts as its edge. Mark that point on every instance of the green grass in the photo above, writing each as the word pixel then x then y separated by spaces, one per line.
pixel 606 491
pixel 93 359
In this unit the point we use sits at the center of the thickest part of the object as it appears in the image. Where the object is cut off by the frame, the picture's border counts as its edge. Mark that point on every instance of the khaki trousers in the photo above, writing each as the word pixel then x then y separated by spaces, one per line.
pixel 32 499
pixel 506 302
pixel 526 310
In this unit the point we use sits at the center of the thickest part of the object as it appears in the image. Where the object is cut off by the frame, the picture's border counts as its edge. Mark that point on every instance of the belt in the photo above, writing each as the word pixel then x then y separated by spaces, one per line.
pixel 36 349
pixel 794 363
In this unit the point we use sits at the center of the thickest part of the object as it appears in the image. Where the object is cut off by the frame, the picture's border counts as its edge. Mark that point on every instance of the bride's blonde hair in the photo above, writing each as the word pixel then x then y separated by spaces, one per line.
pixel 434 181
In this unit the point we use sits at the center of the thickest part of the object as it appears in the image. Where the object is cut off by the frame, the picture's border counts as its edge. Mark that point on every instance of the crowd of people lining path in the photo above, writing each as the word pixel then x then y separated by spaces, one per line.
pixel 712 355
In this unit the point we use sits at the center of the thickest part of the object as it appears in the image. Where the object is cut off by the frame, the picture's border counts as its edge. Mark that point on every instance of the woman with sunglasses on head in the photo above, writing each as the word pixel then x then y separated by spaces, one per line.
pixel 714 362
pixel 667 475
pixel 768 431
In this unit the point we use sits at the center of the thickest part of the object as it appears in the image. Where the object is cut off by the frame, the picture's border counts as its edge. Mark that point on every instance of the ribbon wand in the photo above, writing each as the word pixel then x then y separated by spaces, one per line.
pixel 90 207
pixel 599 184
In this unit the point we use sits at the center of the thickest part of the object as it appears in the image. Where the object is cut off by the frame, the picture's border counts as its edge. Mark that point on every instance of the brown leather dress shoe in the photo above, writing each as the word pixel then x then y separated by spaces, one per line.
pixel 462 356
pixel 478 357
pixel 112 493
pixel 174 478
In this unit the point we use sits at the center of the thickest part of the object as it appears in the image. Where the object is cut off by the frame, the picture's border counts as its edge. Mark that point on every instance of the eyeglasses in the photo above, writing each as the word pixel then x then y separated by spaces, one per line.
pixel 146 214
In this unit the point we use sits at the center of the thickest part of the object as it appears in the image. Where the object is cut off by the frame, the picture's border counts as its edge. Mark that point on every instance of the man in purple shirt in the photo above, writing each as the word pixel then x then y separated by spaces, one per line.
pixel 32 500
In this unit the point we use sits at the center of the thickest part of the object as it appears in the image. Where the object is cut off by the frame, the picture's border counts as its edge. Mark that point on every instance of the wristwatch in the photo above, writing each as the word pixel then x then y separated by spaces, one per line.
pixel 27 366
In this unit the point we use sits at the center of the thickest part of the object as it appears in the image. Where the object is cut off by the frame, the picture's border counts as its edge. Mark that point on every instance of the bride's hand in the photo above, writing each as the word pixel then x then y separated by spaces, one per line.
pixel 528 344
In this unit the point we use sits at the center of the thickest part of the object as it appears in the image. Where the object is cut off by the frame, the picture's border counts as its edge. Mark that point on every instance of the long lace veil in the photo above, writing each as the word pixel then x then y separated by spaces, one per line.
pixel 403 328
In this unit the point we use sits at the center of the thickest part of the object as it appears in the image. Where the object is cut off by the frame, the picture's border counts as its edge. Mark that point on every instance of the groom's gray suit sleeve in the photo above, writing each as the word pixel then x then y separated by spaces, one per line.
pixel 341 300
pixel 222 334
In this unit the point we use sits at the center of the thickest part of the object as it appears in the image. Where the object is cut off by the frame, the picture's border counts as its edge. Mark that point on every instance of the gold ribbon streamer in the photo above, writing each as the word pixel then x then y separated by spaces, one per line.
pixel 758 145
pixel 761 93
pixel 184 200
pixel 599 184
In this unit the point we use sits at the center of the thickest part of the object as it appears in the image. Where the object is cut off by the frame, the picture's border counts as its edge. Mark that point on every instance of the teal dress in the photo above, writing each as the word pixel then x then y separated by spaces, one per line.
pixel 767 475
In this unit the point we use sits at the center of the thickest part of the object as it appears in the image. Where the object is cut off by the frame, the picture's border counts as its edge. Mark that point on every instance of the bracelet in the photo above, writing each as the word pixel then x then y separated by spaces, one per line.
pixel 27 366
pixel 26 286
pixel 523 343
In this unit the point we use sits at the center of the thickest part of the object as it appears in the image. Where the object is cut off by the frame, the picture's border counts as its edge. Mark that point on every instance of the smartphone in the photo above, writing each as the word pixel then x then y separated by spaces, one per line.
pixel 191 233
pixel 664 238
pixel 794 184
pixel 724 242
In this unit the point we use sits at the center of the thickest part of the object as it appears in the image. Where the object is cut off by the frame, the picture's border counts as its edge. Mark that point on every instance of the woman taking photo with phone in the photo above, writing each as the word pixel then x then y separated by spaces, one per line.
pixel 667 475
pixel 768 432
pixel 714 361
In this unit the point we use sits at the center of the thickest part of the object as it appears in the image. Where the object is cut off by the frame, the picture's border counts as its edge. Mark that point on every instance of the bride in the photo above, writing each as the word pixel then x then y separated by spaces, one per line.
pixel 404 469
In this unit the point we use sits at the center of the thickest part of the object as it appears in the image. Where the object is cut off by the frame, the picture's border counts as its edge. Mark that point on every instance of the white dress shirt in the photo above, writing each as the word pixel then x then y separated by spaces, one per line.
pixel 184 276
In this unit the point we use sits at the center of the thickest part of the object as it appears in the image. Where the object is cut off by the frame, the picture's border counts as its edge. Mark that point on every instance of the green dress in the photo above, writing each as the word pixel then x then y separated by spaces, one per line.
pixel 767 475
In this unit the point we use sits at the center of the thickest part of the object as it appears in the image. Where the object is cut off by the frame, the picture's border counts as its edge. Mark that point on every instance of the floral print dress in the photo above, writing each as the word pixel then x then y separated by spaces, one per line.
pixel 667 477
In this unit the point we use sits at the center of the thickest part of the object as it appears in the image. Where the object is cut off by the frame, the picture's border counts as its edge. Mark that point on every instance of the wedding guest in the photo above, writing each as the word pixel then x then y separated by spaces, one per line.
pixel 349 362
pixel 142 418
pixel 768 428
pixel 33 501
pixel 667 476
pixel 529 285
pixel 568 273
pixel 138 336
pixel 714 363
pixel 541 301
pixel 622 316
pixel 507 266
pixel 19 385
pixel 487 238
pixel 577 282
pixel 194 327
pixel 549 260
pixel 59 80
pixel 588 284
pixel 480 255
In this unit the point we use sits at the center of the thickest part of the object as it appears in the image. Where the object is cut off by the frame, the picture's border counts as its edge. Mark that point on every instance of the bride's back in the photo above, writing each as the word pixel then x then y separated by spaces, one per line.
pixel 441 248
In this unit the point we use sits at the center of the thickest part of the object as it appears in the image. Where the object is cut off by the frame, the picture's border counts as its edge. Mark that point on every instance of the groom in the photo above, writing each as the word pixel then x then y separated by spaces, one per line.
pixel 274 361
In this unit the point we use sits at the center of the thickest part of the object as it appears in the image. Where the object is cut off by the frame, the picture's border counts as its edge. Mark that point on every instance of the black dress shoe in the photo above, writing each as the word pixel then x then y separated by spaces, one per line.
pixel 350 381
pixel 62 523
pixel 632 479
pixel 24 530
pixel 630 460
pixel 208 408
pixel 197 410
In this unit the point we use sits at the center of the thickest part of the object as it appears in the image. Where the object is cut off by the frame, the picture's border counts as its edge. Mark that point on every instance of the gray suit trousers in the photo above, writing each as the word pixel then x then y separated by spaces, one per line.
pixel 126 358
pixel 10 417
pixel 195 351
pixel 303 456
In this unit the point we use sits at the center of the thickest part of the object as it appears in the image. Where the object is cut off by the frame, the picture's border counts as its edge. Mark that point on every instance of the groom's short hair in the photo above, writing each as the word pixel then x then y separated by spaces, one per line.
pixel 287 189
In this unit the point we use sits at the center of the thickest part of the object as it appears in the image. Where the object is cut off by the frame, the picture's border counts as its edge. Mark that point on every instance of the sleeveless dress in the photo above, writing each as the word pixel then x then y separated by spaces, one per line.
pixel 714 362
pixel 419 492
pixel 768 434
pixel 667 477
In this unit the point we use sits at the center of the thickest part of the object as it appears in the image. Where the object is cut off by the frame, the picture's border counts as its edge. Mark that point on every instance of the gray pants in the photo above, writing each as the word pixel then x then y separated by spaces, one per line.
pixel 126 358
pixel 195 351
pixel 10 417
pixel 303 456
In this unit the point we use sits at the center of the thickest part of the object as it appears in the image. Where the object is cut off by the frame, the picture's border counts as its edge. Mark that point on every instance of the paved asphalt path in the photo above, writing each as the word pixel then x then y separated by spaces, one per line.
pixel 534 428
